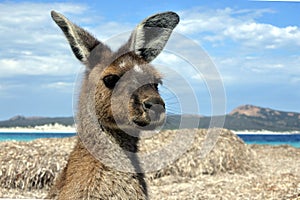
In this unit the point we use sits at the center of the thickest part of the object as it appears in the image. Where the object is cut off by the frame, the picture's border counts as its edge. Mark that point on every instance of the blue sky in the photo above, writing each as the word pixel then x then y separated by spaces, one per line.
pixel 254 46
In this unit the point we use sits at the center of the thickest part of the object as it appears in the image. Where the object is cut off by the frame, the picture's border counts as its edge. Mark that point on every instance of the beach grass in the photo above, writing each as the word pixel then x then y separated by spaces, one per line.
pixel 232 170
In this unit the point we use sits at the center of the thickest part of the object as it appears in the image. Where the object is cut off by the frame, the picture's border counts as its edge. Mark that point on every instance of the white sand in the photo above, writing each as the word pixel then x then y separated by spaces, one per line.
pixel 264 132
pixel 49 128
pixel 58 128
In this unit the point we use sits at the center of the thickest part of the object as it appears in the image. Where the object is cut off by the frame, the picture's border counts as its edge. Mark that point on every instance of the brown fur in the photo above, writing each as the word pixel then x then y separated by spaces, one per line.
pixel 87 176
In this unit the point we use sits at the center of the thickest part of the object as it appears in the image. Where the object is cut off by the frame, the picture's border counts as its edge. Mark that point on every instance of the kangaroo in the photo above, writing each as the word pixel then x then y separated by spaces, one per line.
pixel 119 97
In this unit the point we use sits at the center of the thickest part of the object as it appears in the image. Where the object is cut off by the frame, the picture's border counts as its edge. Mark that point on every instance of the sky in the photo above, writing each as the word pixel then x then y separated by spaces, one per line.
pixel 252 48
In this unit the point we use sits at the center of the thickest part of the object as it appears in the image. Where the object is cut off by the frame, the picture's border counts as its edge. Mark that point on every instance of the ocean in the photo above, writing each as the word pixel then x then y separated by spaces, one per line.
pixel 28 136
pixel 270 139
pixel 275 139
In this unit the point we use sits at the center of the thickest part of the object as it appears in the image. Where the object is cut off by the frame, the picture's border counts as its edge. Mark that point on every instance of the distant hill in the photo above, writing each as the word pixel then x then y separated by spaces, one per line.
pixel 246 117
pixel 257 118
pixel 22 121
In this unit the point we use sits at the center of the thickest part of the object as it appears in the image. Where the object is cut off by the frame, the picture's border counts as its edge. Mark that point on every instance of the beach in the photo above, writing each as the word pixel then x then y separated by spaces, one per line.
pixel 47 128
pixel 232 170
pixel 58 128
pixel 263 132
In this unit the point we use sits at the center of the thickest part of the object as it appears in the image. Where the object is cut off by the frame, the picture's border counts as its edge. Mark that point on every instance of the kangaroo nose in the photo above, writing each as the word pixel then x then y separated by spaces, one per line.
pixel 155 104
pixel 154 109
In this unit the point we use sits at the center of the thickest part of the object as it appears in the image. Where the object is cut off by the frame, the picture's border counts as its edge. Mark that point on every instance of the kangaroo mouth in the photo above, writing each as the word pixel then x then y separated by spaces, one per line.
pixel 151 119
pixel 141 123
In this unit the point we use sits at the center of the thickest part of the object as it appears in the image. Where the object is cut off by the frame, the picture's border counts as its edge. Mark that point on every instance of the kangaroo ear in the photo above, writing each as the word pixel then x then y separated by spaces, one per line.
pixel 152 34
pixel 81 42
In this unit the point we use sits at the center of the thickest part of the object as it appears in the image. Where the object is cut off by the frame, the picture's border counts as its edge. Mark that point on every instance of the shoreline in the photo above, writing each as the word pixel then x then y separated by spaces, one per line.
pixel 69 129
pixel 37 131
pixel 264 132
pixel 55 128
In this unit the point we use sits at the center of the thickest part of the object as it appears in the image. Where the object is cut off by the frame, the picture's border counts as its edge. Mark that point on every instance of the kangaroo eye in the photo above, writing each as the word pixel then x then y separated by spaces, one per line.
pixel 111 80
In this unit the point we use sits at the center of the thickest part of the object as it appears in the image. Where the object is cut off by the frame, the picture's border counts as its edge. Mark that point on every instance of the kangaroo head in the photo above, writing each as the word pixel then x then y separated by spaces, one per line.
pixel 122 84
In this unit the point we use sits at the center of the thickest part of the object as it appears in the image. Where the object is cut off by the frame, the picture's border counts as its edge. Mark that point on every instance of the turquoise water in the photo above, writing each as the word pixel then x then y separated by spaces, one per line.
pixel 6 136
pixel 278 139
pixel 294 144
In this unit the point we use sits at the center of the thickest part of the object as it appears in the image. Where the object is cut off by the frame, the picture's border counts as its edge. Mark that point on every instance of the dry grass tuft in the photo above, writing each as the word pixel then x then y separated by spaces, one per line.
pixel 229 155
pixel 32 165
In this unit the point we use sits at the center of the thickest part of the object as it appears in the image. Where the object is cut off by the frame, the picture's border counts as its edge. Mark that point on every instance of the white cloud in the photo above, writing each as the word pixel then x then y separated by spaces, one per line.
pixel 202 20
pixel 267 69
pixel 245 51
pixel 264 35
pixel 59 65
pixel 240 26
pixel 60 86
pixel 31 44
pixel 167 58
